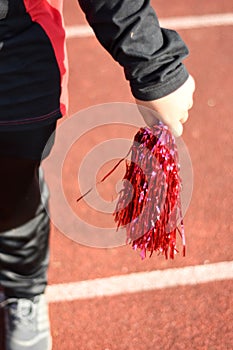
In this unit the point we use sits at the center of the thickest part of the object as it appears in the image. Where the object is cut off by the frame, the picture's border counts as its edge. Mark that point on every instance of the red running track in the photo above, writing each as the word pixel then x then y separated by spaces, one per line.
pixel 190 317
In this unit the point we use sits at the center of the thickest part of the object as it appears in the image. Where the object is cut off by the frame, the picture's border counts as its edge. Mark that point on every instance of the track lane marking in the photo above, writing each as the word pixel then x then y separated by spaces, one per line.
pixel 139 282
pixel 184 22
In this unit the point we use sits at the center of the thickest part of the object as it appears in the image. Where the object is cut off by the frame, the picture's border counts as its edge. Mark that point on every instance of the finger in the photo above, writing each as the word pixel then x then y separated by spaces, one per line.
pixel 193 85
pixel 151 117
pixel 176 129
pixel 184 118
pixel 190 104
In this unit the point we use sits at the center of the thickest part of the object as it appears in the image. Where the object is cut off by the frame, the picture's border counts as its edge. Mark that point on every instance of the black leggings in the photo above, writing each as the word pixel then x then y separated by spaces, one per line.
pixel 19 191
pixel 24 222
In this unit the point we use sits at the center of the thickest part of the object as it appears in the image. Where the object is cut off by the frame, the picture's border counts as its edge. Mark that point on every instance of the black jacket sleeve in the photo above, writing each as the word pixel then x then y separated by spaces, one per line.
pixel 151 56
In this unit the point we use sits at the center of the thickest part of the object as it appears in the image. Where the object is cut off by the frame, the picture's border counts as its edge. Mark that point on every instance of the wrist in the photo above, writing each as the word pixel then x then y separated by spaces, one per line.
pixel 157 90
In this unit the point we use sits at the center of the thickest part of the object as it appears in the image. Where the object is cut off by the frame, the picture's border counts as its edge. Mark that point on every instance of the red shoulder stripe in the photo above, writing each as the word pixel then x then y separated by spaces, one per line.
pixel 49 15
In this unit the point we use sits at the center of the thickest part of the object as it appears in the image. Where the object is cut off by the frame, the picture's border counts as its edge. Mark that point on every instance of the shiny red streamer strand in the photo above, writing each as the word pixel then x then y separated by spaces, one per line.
pixel 149 205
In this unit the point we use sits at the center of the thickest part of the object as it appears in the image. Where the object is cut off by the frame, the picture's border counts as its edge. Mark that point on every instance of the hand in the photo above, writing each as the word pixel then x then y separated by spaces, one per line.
pixel 172 109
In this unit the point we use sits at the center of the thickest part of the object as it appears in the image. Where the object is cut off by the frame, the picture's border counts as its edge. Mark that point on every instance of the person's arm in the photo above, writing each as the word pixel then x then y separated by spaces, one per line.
pixel 151 56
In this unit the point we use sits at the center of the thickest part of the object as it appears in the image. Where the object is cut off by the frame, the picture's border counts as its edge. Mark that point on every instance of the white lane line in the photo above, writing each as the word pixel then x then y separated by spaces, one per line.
pixel 79 31
pixel 187 22
pixel 140 282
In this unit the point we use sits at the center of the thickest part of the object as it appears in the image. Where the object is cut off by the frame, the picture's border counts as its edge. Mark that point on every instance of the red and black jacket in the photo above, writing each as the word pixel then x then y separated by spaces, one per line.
pixel 33 60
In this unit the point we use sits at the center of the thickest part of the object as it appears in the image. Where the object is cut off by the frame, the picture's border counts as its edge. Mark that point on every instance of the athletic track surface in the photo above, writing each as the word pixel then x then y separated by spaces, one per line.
pixel 108 299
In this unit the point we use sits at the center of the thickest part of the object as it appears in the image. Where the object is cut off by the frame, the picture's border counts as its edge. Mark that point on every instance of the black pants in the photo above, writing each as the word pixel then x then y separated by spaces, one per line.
pixel 24 220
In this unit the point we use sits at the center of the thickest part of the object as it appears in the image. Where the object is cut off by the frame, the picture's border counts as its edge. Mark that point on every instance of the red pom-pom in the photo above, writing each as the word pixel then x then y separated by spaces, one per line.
pixel 149 206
